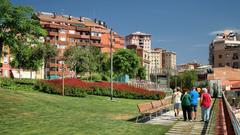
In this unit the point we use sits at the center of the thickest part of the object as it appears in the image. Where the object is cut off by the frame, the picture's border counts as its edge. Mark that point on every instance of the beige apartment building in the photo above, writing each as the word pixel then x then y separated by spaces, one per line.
pixel 169 60
pixel 156 61
pixel 142 43
pixel 224 50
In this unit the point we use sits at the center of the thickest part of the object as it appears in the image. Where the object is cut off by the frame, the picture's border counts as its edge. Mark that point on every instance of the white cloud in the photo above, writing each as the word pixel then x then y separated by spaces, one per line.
pixel 163 40
pixel 213 33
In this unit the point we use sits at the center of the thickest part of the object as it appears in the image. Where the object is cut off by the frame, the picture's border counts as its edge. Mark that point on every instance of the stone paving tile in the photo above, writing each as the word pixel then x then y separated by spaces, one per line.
pixel 180 127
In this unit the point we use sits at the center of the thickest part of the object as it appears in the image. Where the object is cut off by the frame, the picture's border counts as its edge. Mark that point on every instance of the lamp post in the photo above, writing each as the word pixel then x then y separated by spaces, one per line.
pixel 111 72
pixel 156 74
pixel 62 62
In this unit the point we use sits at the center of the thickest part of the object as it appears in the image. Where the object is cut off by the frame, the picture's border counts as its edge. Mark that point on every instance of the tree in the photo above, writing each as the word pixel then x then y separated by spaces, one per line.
pixel 86 59
pixel 186 79
pixel 20 57
pixel 21 31
pixel 18 24
pixel 49 51
pixel 126 61
pixel 141 73
pixel 75 57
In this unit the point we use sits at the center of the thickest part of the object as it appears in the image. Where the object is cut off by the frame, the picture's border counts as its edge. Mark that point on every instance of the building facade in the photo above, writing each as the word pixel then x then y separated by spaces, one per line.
pixel 169 60
pixel 224 50
pixel 141 42
pixel 156 61
pixel 65 31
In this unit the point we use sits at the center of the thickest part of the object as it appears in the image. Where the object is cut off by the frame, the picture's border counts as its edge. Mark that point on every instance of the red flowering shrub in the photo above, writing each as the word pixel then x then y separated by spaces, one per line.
pixel 103 88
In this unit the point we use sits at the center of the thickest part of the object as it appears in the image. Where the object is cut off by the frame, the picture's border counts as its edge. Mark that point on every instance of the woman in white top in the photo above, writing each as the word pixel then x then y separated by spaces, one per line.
pixel 177 101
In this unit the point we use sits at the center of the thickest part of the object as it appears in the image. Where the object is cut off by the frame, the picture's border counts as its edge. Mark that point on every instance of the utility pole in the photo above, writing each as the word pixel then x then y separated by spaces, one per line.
pixel 63 78
pixel 111 56
pixel 156 74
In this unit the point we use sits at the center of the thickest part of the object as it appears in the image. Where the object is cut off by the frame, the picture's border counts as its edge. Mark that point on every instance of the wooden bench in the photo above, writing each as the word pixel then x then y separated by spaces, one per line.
pixel 150 108
pixel 145 109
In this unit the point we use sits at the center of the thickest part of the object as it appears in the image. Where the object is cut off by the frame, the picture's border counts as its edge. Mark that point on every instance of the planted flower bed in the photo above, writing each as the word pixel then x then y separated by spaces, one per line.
pixel 75 87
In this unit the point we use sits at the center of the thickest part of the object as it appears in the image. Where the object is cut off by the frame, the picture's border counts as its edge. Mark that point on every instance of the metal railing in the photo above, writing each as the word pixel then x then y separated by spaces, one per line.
pixel 234 121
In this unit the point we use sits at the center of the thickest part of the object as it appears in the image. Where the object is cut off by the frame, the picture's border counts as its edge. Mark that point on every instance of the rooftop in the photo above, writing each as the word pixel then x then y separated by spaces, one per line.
pixel 140 33
pixel 97 25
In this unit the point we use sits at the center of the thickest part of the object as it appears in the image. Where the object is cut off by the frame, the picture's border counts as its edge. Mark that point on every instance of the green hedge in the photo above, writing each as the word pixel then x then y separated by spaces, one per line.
pixel 94 90
pixel 103 91
pixel 17 84
pixel 68 90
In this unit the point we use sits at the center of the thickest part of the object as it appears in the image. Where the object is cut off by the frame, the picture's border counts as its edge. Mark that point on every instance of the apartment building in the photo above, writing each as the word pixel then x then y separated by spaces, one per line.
pixel 141 42
pixel 156 61
pixel 187 66
pixel 169 60
pixel 224 50
pixel 65 31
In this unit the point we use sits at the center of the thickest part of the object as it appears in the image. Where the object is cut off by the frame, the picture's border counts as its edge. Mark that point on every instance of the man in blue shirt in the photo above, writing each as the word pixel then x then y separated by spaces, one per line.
pixel 194 102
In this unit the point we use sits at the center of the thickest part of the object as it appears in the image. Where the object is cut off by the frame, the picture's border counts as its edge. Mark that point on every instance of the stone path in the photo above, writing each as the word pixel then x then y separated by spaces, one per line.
pixel 181 127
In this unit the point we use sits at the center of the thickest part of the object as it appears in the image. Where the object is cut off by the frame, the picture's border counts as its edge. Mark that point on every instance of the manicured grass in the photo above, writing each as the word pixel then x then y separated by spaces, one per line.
pixel 30 112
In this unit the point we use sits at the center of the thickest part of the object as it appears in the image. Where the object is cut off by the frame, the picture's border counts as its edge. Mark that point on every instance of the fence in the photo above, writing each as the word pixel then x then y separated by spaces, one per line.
pixel 151 86
pixel 234 121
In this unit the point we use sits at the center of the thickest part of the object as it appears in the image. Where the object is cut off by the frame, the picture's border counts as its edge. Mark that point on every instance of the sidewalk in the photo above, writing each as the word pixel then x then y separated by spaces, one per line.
pixel 181 127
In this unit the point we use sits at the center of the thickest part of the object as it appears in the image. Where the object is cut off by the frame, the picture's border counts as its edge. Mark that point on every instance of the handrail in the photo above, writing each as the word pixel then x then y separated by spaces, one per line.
pixel 234 120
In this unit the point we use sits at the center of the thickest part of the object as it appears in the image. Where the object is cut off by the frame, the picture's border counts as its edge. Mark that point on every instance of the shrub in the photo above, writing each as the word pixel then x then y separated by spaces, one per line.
pixel 105 77
pixel 17 84
pixel 74 91
pixel 96 77
pixel 75 87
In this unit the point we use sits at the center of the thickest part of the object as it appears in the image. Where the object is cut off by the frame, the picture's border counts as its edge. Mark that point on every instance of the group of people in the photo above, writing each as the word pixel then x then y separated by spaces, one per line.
pixel 189 101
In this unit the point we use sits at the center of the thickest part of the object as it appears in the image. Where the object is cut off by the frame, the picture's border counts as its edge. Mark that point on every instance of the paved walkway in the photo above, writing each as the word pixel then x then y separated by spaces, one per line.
pixel 181 127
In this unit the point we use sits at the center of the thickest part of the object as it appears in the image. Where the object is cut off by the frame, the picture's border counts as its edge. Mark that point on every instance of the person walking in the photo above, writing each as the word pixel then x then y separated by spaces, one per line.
pixel 194 102
pixel 205 102
pixel 186 105
pixel 177 101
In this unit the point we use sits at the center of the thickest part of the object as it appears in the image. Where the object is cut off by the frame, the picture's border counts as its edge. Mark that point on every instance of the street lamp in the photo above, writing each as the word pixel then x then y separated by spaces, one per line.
pixel 111 72
pixel 62 62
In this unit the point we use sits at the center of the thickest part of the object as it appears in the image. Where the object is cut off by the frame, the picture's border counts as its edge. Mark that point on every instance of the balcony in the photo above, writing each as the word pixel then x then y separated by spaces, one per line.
pixel 79 36
pixel 52 41
pixel 82 43
pixel 96 37
pixel 51 33
pixel 96 44
pixel 82 29
pixel 54 26
pixel 146 61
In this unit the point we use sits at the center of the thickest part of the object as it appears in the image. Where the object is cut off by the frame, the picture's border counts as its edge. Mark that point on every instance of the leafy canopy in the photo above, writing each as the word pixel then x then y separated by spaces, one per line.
pixel 126 61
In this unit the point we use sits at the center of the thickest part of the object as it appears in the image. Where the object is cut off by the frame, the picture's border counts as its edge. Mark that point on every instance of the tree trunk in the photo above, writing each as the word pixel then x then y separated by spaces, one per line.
pixel 76 71
pixel 45 69
pixel 19 71
pixel 90 76
pixel 31 73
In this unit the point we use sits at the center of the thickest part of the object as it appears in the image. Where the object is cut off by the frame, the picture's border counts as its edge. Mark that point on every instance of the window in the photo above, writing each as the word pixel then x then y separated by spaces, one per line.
pixel 220 65
pixel 220 56
pixel 235 64
pixel 235 56
pixel 62 46
pixel 71 32
pixel 62 38
pixel 71 39
pixel 62 31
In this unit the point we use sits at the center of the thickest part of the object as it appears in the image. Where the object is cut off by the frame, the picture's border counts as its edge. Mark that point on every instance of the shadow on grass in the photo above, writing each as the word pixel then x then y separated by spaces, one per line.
pixel 144 119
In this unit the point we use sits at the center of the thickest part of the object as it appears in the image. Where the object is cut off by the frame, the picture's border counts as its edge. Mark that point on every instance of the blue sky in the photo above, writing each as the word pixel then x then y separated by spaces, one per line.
pixel 183 26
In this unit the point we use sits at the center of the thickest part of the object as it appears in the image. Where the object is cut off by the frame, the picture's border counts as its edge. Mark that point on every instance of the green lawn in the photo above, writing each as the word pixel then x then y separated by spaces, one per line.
pixel 25 113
